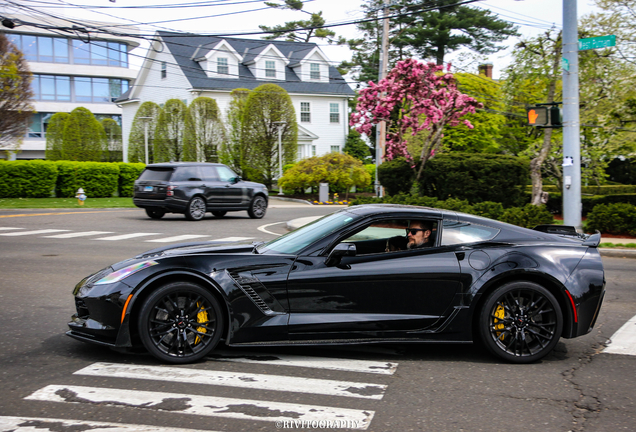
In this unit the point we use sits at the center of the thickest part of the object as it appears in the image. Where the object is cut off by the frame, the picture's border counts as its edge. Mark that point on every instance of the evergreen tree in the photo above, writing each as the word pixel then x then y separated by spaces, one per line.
pixel 356 147
pixel 55 136
pixel 204 131
pixel 145 119
pixel 83 137
pixel 170 132
pixel 235 148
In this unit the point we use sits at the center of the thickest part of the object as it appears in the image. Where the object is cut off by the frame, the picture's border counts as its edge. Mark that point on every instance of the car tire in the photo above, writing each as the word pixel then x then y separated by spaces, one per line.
pixel 258 207
pixel 195 210
pixel 180 323
pixel 520 322
pixel 219 213
pixel 155 213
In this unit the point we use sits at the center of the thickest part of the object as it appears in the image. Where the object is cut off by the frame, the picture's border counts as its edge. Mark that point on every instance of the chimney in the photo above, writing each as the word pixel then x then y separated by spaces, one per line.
pixel 486 69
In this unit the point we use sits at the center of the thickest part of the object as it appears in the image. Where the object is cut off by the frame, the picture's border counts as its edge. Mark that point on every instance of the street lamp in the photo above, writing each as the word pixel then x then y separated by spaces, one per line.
pixel 146 120
pixel 280 125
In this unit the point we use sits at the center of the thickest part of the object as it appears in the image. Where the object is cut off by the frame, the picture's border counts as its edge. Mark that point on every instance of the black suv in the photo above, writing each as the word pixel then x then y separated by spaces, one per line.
pixel 193 188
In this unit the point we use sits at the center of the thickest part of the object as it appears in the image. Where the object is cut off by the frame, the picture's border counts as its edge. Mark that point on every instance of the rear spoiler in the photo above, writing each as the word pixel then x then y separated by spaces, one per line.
pixel 591 240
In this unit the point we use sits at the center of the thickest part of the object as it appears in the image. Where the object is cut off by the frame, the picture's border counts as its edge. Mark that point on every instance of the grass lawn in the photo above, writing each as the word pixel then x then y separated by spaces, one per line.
pixel 64 203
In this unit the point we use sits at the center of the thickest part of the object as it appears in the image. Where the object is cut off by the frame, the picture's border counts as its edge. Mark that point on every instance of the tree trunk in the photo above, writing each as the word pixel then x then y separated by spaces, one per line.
pixel 535 168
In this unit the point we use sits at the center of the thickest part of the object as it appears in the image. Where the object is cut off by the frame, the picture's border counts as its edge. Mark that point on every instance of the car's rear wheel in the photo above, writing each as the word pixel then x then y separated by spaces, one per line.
pixel 520 322
pixel 219 213
pixel 181 322
pixel 258 207
pixel 196 209
pixel 155 213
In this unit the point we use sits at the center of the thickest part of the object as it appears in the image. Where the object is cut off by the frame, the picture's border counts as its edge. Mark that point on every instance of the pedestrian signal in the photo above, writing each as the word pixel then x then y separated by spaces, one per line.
pixel 546 116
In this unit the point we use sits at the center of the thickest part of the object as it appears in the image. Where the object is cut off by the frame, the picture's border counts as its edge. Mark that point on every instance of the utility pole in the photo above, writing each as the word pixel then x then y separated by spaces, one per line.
pixel 571 135
pixel 380 142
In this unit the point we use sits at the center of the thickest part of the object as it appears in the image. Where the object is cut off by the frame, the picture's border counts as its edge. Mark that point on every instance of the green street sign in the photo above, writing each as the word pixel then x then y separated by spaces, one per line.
pixel 597 42
pixel 565 64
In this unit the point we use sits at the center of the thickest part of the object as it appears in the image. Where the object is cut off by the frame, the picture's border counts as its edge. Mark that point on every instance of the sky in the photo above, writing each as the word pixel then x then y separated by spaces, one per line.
pixel 244 16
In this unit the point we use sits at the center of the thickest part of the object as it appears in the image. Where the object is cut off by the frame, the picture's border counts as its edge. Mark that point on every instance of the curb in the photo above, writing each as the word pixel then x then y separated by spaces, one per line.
pixel 296 200
pixel 618 253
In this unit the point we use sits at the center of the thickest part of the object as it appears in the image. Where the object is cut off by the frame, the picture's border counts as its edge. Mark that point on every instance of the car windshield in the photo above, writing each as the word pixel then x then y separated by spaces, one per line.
pixel 295 241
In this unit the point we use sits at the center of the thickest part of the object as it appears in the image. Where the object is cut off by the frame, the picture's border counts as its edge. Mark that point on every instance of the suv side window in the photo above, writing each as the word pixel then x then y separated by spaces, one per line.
pixel 186 173
pixel 209 173
pixel 225 174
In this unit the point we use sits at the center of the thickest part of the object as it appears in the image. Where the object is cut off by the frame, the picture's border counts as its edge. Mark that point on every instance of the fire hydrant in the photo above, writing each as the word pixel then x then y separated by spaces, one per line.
pixel 81 196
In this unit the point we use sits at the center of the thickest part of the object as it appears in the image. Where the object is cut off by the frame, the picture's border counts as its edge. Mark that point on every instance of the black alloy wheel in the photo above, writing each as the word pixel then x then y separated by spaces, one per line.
pixel 258 207
pixel 521 322
pixel 219 213
pixel 196 209
pixel 155 213
pixel 180 323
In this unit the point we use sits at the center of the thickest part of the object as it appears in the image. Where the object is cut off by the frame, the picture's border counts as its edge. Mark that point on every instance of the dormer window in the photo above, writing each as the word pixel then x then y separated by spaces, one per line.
pixel 222 67
pixel 270 69
pixel 314 71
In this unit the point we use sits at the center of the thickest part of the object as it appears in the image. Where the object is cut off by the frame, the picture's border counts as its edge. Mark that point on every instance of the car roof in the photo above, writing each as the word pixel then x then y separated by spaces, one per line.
pixel 178 164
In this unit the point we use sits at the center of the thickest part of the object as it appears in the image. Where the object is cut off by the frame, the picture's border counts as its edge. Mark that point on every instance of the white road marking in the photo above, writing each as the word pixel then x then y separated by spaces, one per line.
pixel 349 365
pixel 177 238
pixel 230 239
pixel 624 340
pixel 36 232
pixel 243 409
pixel 9 228
pixel 78 234
pixel 127 236
pixel 263 228
pixel 30 424
pixel 237 379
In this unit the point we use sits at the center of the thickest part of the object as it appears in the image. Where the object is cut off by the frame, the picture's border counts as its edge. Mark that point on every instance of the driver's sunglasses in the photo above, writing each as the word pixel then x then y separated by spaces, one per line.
pixel 413 231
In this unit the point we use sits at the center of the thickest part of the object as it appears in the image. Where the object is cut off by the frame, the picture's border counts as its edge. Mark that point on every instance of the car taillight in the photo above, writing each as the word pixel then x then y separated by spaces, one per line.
pixel 171 190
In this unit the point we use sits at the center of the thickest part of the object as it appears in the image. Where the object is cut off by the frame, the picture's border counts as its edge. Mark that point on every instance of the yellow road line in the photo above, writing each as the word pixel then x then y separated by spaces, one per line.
pixel 63 213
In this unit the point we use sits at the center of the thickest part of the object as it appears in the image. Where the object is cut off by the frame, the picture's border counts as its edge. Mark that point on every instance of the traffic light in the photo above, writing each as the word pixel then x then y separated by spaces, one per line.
pixel 546 116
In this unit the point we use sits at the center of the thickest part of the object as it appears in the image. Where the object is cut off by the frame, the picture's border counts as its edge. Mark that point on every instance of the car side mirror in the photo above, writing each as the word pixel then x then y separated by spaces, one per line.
pixel 236 179
pixel 341 250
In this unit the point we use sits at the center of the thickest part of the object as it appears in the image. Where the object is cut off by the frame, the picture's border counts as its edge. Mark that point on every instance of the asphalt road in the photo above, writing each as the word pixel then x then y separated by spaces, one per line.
pixel 425 388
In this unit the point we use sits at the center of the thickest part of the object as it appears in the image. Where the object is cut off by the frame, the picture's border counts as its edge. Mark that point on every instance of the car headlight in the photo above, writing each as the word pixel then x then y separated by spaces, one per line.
pixel 125 272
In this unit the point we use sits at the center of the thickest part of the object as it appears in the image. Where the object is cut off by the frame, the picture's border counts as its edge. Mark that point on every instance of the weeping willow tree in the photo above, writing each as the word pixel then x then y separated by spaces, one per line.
pixel 204 131
pixel 170 132
pixel 146 116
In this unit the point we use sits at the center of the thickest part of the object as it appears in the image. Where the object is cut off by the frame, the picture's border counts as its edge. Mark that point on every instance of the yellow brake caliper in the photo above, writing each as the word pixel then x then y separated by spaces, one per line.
pixel 202 317
pixel 500 313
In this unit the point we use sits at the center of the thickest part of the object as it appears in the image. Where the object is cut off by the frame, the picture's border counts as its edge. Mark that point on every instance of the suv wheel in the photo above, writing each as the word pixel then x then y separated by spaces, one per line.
pixel 258 207
pixel 155 213
pixel 196 209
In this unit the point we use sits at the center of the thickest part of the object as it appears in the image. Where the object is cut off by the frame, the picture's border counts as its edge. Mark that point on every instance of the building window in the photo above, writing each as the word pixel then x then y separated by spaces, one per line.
pixel 100 53
pixel 313 150
pixel 222 66
pixel 270 69
pixel 77 89
pixel 334 113
pixel 164 70
pixel 335 149
pixel 305 112
pixel 314 71
pixel 51 88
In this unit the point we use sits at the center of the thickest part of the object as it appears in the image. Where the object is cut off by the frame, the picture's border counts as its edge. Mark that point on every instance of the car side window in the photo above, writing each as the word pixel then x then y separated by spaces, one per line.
pixel 392 236
pixel 225 174
pixel 463 232
pixel 209 173
pixel 187 173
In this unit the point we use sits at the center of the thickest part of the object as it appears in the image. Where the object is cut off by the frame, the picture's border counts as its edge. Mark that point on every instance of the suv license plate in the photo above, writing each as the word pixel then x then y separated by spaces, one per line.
pixel 148 189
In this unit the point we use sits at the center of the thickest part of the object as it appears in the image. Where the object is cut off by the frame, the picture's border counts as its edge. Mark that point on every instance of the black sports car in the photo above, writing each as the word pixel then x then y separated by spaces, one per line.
pixel 364 274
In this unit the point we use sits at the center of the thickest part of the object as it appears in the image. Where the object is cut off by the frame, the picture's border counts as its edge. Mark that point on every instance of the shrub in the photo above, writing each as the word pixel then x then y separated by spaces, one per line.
pixel 396 176
pixel 488 209
pixel 98 179
pixel 27 179
pixel 528 216
pixel 128 173
pixel 617 219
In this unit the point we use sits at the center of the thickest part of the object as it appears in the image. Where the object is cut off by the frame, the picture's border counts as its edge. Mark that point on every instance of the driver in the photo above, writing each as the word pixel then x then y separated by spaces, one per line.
pixel 418 235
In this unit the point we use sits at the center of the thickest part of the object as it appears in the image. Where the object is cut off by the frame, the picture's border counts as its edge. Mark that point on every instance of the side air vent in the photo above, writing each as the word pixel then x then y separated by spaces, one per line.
pixel 247 283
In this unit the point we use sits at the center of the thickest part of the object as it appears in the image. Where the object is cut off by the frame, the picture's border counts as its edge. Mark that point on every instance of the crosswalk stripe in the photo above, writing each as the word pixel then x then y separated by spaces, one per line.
pixel 242 409
pixel 23 233
pixel 9 228
pixel 24 424
pixel 78 234
pixel 238 379
pixel 126 236
pixel 349 365
pixel 177 238
pixel 231 239
pixel 624 340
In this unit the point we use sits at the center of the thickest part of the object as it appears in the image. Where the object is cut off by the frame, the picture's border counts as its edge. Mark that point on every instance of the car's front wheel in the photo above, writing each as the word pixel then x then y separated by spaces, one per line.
pixel 155 213
pixel 196 209
pixel 180 322
pixel 520 322
pixel 258 207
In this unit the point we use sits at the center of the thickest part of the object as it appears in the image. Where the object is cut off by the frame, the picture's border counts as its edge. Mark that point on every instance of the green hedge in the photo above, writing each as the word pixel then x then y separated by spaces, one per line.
pixel 593 190
pixel 98 179
pixel 27 179
pixel 615 218
pixel 555 201
pixel 128 173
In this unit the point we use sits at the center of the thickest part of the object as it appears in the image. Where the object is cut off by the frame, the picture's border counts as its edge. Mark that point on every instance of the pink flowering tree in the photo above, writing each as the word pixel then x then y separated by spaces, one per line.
pixel 414 97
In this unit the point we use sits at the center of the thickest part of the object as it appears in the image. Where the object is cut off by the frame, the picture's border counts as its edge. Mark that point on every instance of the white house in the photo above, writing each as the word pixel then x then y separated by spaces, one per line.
pixel 185 67
pixel 83 68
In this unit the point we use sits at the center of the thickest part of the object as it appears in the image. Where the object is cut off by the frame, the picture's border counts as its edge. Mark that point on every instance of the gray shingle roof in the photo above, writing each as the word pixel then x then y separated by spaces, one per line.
pixel 183 47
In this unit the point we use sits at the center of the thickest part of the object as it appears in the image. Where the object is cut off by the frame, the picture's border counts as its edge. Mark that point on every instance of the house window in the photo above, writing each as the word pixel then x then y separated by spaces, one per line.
pixel 164 70
pixel 313 150
pixel 335 149
pixel 334 113
pixel 305 112
pixel 222 66
pixel 314 71
pixel 270 69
